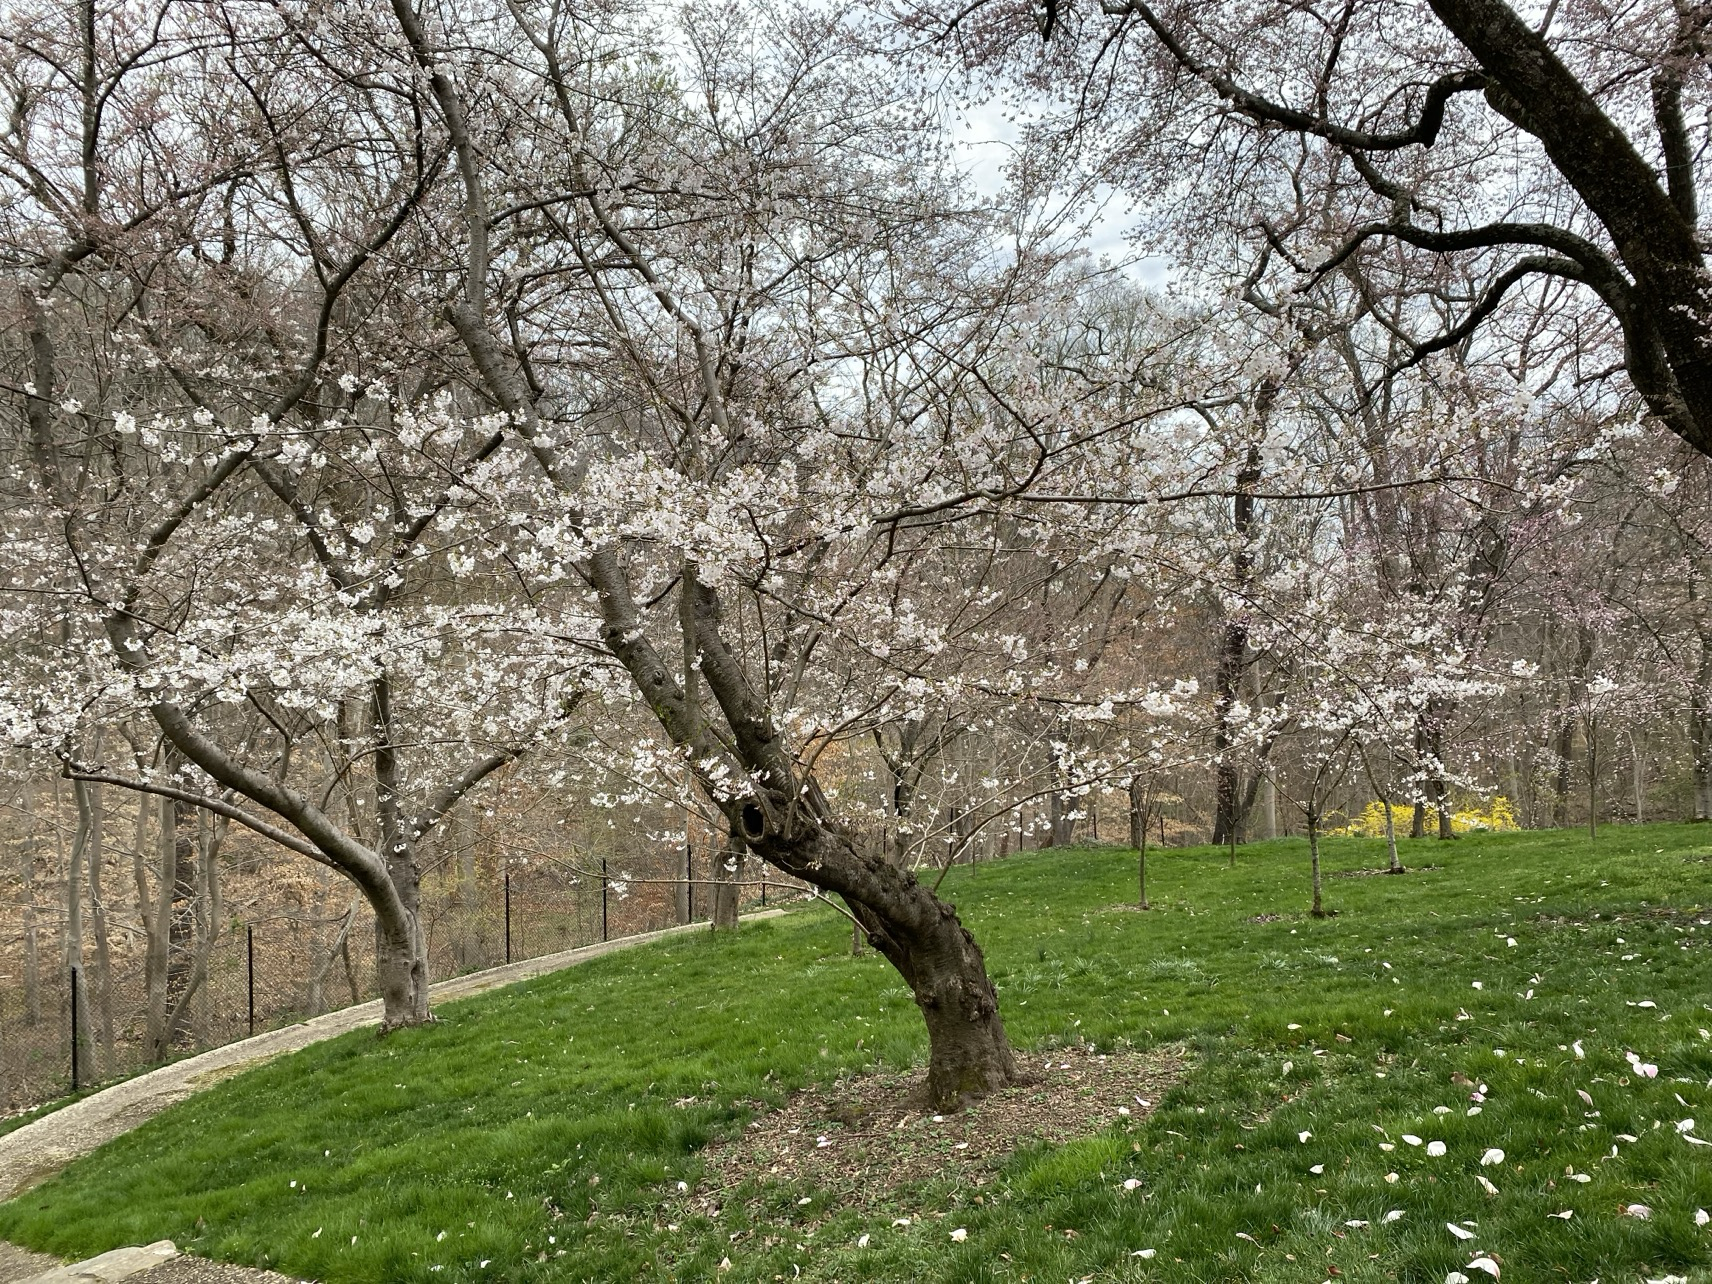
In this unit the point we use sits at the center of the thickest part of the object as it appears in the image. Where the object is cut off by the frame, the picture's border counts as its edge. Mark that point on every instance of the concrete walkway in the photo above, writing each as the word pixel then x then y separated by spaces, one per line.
pixel 38 1150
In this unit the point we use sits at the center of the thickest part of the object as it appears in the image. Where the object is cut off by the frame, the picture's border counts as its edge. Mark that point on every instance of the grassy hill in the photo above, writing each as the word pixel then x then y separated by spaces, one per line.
pixel 542 1133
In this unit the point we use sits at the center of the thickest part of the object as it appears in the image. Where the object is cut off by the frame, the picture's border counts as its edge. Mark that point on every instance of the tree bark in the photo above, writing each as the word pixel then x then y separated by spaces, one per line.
pixel 1665 313
pixel 157 964
pixel 27 845
pixel 1700 730
pixel 73 962
pixel 1394 866
pixel 726 865
pixel 98 921
pixel 1233 647
pixel 921 936
pixel 1138 809
pixel 684 897
pixel 1313 818
pixel 1591 724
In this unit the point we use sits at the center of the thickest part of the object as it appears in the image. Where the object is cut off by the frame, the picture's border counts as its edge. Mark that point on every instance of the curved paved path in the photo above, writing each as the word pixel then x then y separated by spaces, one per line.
pixel 38 1150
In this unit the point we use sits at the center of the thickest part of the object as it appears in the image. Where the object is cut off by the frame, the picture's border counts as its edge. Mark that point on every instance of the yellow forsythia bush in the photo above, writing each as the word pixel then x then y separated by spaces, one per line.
pixel 1497 815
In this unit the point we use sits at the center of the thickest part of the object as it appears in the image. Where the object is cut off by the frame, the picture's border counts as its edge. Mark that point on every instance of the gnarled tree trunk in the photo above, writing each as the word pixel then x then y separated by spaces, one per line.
pixel 919 935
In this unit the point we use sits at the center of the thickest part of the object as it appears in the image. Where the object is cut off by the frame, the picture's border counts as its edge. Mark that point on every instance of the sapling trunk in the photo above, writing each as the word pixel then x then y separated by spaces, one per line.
pixel 1141 866
pixel 1592 777
pixel 1395 866
pixel 1319 910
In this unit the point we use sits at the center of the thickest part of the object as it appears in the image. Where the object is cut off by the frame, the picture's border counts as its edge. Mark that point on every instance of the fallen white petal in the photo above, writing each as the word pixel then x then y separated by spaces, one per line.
pixel 1458 1231
pixel 1395 1215
pixel 959 1235
pixel 1492 1156
pixel 1435 1148
pixel 1484 1264
pixel 1565 1215
pixel 1411 1139
pixel 1485 1185
pixel 1638 1210
pixel 1144 1253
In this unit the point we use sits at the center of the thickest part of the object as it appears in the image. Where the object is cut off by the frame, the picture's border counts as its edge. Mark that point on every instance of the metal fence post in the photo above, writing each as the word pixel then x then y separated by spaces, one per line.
pixel 508 913
pixel 689 881
pixel 603 898
pixel 250 970
pixel 74 1065
pixel 763 885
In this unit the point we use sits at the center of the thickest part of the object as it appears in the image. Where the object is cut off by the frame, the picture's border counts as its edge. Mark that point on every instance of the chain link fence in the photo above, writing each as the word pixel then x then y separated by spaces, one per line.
pixel 267 967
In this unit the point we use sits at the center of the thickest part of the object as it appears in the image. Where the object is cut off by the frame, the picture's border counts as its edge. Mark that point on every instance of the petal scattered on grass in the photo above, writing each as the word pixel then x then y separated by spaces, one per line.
pixel 1492 1156
pixel 1640 1211
pixel 1459 1231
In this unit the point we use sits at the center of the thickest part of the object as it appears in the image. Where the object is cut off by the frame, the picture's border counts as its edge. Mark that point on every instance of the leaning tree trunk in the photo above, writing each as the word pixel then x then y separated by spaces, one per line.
pixel 919 935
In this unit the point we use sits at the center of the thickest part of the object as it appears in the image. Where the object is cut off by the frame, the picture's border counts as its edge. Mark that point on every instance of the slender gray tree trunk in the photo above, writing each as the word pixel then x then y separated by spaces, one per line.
pixel 1138 809
pixel 27 847
pixel 73 960
pixel 1313 816
pixel 98 920
pixel 726 866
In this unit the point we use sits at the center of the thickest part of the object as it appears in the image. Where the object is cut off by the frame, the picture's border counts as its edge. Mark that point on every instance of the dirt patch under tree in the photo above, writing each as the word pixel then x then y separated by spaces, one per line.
pixel 861 1138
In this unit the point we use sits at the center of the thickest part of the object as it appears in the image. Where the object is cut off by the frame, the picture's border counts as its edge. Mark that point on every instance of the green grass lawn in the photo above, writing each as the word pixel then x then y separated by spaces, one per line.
pixel 543 1120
